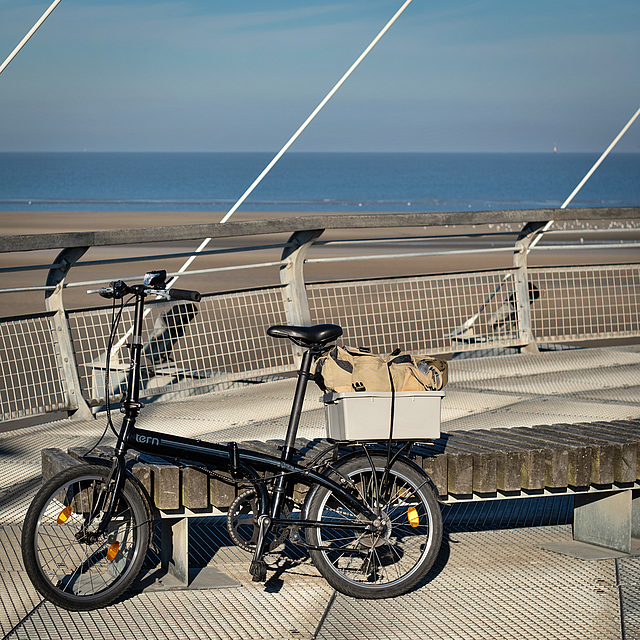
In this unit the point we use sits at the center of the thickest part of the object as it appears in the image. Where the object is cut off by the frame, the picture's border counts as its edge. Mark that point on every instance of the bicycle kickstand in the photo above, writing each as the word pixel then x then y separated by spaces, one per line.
pixel 258 567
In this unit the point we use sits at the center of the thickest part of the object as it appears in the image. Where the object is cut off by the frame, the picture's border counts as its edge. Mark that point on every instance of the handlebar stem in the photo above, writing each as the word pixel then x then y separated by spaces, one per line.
pixel 133 388
pixel 131 403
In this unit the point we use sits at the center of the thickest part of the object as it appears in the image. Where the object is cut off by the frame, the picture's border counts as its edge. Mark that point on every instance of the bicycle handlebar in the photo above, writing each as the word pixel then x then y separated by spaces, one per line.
pixel 119 289
pixel 184 294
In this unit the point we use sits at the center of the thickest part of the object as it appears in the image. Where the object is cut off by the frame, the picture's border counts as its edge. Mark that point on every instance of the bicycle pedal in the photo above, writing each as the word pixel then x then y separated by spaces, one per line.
pixel 258 571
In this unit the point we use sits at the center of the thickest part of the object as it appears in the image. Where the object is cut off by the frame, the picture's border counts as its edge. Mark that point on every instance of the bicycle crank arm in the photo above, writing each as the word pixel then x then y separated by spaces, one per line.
pixel 258 567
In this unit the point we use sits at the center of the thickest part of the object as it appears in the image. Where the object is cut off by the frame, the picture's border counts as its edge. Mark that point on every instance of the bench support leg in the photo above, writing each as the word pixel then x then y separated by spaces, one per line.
pixel 174 559
pixel 174 553
pixel 607 519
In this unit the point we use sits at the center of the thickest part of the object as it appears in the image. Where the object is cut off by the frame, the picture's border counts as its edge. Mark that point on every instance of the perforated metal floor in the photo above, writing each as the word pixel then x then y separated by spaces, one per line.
pixel 486 584
pixel 489 582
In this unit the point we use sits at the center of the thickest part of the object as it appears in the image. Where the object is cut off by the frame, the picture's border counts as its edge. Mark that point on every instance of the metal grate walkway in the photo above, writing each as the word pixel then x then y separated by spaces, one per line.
pixel 493 578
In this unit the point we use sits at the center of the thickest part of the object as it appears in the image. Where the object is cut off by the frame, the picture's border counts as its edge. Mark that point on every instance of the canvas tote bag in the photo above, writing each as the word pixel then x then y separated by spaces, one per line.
pixel 348 369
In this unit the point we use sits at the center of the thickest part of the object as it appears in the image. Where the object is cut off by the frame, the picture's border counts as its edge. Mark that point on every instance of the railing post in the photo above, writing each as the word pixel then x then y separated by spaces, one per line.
pixel 65 354
pixel 525 293
pixel 292 276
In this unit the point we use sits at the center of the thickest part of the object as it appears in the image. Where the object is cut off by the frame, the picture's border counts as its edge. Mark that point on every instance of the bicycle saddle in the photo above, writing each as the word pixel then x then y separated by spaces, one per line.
pixel 316 336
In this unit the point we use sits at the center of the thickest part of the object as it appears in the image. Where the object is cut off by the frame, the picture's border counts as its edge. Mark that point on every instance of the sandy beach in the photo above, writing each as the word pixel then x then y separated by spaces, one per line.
pixel 20 223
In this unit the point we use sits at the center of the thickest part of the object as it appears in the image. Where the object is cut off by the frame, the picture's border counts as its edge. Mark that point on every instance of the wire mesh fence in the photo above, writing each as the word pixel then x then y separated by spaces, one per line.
pixel 430 314
pixel 223 339
pixel 30 379
pixel 588 302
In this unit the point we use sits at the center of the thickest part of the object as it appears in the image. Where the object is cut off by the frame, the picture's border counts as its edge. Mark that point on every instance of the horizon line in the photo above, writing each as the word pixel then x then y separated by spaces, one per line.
pixel 86 151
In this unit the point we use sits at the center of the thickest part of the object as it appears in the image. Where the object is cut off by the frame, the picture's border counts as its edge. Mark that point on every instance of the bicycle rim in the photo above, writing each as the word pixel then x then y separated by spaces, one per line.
pixel 65 561
pixel 389 562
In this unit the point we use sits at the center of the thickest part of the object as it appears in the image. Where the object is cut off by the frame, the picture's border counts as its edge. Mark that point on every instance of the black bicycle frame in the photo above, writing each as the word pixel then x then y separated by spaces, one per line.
pixel 217 455
pixel 283 469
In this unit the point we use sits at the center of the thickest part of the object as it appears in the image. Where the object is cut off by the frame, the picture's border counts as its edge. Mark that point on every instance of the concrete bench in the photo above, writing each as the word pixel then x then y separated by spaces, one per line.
pixel 598 463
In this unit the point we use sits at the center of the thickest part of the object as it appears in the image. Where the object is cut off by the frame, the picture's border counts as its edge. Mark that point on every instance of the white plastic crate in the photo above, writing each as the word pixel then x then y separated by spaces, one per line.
pixel 367 415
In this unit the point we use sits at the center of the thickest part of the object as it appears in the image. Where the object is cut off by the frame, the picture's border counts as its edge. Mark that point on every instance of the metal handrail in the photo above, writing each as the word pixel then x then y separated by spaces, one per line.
pixel 298 302
pixel 301 223
pixel 32 242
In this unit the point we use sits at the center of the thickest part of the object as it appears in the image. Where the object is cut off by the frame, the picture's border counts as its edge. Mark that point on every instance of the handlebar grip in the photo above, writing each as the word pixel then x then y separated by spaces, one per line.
pixel 105 292
pixel 184 294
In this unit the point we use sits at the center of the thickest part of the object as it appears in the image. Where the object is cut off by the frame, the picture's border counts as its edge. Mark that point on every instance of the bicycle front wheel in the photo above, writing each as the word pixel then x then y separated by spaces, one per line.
pixel 66 560
pixel 396 557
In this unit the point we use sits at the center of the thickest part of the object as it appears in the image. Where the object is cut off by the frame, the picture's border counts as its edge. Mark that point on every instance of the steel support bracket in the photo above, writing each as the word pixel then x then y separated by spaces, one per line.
pixel 64 351
pixel 175 572
pixel 523 289
pixel 609 520
pixel 296 302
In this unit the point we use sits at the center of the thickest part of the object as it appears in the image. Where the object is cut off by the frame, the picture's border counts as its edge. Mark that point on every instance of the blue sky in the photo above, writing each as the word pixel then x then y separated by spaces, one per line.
pixel 242 75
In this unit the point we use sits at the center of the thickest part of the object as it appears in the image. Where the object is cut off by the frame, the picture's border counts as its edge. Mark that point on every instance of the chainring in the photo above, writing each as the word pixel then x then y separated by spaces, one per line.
pixel 242 523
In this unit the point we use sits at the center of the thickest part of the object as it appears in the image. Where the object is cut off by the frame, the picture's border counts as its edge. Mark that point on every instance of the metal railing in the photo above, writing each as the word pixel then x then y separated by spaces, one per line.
pixel 56 360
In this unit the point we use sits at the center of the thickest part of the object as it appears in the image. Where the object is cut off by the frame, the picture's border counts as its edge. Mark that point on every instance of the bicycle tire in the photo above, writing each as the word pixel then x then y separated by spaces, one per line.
pixel 69 569
pixel 388 563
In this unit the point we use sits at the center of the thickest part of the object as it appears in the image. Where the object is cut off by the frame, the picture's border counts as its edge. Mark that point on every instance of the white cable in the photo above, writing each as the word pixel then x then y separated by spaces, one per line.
pixel 24 40
pixel 565 204
pixel 600 159
pixel 315 112
pixel 295 136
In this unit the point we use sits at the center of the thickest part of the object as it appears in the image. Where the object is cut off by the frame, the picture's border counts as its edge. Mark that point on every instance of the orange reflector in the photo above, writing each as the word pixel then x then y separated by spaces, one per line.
pixel 414 518
pixel 64 515
pixel 113 551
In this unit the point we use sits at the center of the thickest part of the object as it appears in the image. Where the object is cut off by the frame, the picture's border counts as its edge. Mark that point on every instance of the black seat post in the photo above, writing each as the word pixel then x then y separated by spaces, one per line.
pixel 296 410
pixel 315 340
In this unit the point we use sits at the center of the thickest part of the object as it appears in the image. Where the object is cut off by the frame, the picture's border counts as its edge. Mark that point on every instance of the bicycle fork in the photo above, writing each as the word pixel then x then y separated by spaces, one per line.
pixel 131 408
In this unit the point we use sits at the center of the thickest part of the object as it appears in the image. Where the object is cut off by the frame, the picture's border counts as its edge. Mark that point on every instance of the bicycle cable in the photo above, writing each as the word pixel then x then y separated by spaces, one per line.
pixel 115 323
pixel 315 464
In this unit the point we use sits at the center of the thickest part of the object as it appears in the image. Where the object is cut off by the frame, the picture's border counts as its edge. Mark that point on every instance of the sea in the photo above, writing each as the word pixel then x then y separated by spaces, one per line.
pixel 313 182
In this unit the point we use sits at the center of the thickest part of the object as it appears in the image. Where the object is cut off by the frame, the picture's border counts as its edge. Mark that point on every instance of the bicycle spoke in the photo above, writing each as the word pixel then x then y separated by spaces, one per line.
pixel 67 559
pixel 390 558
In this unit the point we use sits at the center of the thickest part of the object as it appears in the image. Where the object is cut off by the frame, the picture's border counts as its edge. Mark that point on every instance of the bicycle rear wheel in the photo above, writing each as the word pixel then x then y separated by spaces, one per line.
pixel 391 561
pixel 66 562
